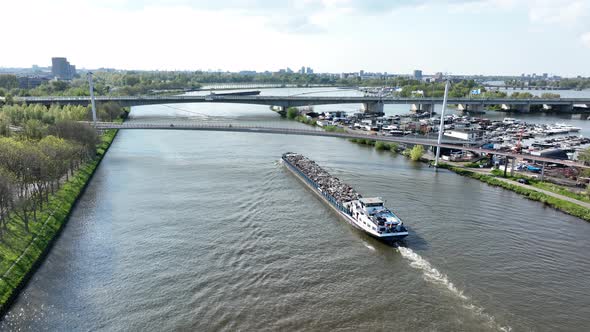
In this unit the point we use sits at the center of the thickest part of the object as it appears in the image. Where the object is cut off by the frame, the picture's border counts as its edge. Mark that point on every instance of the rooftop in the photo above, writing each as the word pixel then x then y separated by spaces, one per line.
pixel 371 200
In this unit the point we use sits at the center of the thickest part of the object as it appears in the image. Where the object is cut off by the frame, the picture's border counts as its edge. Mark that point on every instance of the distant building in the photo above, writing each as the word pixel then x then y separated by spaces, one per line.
pixel 309 71
pixel 418 74
pixel 62 69
pixel 545 75
pixel 438 77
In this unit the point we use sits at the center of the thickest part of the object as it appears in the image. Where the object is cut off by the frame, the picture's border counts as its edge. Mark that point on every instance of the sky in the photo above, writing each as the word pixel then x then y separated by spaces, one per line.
pixel 396 36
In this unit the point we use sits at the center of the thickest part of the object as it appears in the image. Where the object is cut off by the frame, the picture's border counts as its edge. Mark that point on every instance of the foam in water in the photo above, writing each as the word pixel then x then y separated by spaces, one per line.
pixel 433 275
pixel 369 246
pixel 430 273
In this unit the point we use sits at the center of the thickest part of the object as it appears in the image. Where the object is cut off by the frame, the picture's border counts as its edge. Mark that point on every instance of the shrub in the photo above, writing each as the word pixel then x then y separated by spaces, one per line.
pixel 416 152
pixel 292 113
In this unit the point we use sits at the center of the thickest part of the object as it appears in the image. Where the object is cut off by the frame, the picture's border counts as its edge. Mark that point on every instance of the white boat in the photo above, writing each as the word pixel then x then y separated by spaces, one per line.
pixel 510 121
pixel 568 127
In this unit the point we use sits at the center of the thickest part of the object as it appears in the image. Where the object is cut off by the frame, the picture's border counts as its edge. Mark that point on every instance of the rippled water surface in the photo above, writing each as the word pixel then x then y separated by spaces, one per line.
pixel 184 230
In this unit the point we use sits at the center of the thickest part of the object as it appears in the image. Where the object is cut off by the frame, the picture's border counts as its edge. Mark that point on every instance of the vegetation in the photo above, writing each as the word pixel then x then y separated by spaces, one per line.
pixel 567 207
pixel 584 156
pixel 579 83
pixel 292 113
pixel 303 119
pixel 20 248
pixel 417 152
pixel 561 190
pixel 522 95
pixel 46 158
pixel 332 128
pixel 379 145
pixel 548 95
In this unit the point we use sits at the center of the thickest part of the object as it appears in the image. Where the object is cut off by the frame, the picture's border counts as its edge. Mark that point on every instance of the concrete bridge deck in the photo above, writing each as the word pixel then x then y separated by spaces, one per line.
pixel 322 133
pixel 295 101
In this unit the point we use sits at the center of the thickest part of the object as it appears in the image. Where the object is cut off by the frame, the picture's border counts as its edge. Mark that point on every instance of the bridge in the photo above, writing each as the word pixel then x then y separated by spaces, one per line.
pixel 372 104
pixel 322 133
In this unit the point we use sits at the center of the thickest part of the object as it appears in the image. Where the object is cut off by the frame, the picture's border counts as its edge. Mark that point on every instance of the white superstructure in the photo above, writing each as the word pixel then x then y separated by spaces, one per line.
pixel 370 215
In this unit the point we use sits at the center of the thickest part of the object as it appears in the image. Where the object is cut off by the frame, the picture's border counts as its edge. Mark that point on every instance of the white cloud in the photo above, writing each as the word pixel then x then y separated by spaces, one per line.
pixel 328 35
pixel 563 12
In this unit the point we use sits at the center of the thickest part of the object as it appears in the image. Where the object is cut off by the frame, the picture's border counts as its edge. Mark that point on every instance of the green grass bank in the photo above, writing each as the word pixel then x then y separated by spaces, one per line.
pixel 21 252
pixel 567 207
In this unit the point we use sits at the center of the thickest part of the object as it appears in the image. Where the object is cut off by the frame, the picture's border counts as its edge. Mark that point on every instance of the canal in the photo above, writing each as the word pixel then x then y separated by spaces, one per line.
pixel 183 230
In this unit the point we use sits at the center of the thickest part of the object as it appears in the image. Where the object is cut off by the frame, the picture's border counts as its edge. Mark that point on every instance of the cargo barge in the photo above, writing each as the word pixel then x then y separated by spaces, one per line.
pixel 367 214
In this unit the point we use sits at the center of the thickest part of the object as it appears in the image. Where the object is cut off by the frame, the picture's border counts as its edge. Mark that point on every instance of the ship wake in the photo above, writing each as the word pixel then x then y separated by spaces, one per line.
pixel 433 275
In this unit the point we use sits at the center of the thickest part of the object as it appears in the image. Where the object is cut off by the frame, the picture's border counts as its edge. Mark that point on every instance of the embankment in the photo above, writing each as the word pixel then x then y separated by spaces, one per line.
pixel 559 204
pixel 55 216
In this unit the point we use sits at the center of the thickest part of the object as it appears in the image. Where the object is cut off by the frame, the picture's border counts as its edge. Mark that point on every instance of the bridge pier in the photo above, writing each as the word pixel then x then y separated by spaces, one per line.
pixel 523 108
pixel 476 108
pixel 559 108
pixel 373 108
pixel 420 108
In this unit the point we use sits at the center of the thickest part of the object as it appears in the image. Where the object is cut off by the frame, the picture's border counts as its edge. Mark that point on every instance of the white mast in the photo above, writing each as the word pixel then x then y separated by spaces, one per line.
pixel 89 75
pixel 442 123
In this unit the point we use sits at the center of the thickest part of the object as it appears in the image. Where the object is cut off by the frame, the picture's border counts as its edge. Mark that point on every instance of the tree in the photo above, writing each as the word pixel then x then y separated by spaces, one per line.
pixel 8 81
pixel 34 129
pixel 110 111
pixel 78 132
pixel 584 156
pixel 548 95
pixel 6 191
pixel 292 113
pixel 416 152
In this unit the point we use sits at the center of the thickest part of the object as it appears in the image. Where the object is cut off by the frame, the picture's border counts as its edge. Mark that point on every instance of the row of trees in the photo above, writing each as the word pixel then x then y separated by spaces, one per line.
pixel 136 83
pixel 31 170
pixel 36 121
pixel 39 148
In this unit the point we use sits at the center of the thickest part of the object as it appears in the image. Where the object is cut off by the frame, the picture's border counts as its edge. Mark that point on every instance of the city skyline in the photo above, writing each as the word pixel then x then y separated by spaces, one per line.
pixel 488 37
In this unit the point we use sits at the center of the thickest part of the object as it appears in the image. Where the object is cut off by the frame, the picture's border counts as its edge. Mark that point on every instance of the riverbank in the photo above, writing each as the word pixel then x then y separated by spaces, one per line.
pixel 20 257
pixel 551 195
pixel 528 192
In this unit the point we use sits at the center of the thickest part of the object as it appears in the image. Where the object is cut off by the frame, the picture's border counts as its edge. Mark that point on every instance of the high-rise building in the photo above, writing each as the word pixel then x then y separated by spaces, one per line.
pixel 418 74
pixel 309 71
pixel 62 69
pixel 302 70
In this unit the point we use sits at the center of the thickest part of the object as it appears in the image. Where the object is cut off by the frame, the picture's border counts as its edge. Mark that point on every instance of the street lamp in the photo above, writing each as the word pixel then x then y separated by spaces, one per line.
pixel 89 75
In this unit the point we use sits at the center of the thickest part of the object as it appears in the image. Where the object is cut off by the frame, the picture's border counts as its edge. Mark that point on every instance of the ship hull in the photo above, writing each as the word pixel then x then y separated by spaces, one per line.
pixel 338 209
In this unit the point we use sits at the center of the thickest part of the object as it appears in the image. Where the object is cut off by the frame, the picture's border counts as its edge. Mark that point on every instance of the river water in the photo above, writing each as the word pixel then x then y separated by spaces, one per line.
pixel 187 230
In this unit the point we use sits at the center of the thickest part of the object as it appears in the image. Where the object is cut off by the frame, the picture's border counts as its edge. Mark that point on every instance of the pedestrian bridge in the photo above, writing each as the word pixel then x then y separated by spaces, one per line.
pixel 322 133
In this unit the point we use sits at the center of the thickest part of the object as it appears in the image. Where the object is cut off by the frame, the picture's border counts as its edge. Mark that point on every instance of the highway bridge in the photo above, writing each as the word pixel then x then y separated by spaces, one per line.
pixel 323 133
pixel 371 103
